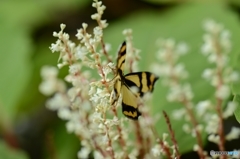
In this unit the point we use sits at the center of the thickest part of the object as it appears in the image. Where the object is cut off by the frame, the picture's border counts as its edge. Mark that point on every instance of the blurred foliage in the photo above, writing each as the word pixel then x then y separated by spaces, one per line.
pixel 25 49
pixel 237 112
pixel 8 153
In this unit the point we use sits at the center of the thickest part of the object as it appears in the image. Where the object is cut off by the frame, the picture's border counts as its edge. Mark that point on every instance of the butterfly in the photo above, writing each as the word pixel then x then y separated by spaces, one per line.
pixel 143 81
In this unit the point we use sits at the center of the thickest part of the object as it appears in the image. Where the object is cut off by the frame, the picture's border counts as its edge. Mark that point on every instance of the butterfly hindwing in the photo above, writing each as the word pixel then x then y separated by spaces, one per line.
pixel 116 91
pixel 129 103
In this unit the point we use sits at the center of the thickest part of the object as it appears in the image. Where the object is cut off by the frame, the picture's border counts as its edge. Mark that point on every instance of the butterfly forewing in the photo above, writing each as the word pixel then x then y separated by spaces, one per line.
pixel 143 80
pixel 121 58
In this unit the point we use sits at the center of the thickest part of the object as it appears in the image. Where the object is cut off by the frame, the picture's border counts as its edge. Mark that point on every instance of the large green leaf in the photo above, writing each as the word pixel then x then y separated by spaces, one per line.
pixel 183 23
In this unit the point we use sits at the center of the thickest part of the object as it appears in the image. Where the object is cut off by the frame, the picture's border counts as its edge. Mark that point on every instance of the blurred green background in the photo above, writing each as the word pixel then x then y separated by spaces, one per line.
pixel 27 129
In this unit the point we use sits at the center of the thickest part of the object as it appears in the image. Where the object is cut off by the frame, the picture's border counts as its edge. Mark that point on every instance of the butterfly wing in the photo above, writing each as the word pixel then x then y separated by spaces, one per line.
pixel 129 103
pixel 119 68
pixel 144 81
pixel 121 58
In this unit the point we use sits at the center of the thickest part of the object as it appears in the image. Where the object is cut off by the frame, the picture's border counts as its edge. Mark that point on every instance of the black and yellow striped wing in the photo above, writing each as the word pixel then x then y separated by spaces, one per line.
pixel 121 59
pixel 129 103
pixel 144 81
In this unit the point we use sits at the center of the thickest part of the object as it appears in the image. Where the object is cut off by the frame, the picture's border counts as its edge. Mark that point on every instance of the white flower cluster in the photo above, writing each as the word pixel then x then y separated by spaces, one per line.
pixel 217 46
pixel 173 75
pixel 132 56
pixel 84 101
pixel 170 71
pixel 85 104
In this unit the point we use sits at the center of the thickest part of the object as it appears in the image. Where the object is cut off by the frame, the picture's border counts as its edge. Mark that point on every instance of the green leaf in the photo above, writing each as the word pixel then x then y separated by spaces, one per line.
pixel 15 68
pixel 8 153
pixel 236 99
pixel 182 23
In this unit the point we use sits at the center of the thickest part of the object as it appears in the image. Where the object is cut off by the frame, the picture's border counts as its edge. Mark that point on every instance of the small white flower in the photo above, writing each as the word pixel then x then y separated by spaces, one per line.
pixel 234 76
pixel 98 33
pixel 56 47
pixel 223 92
pixel 127 32
pixel 180 71
pixel 49 72
pixel 95 16
pixel 195 147
pixel 199 127
pixel 175 94
pixel 104 23
pixel 155 68
pixel 156 150
pixel 178 93
pixel 48 87
pixel 84 25
pixel 58 101
pixel 164 70
pixel 233 134
pixel 212 27
pixel 81 52
pixel 107 69
pixel 231 107
pixel 75 68
pixel 209 25
pixel 182 48
pixel 97 155
pixel 179 113
pixel 187 90
pixel 170 43
pixel 208 73
pixel 66 36
pixel 70 126
pixel 207 46
pixel 214 138
pixel 165 135
pixel 62 26
pixel 61 65
pixel 212 58
pixel 202 107
pixel 84 152
pixel 212 124
pixel 64 113
pixel 225 40
pixel 186 128
pixel 96 117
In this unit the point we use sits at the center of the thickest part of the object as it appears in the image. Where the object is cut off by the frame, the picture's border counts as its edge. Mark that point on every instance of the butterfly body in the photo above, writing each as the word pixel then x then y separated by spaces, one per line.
pixel 124 84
